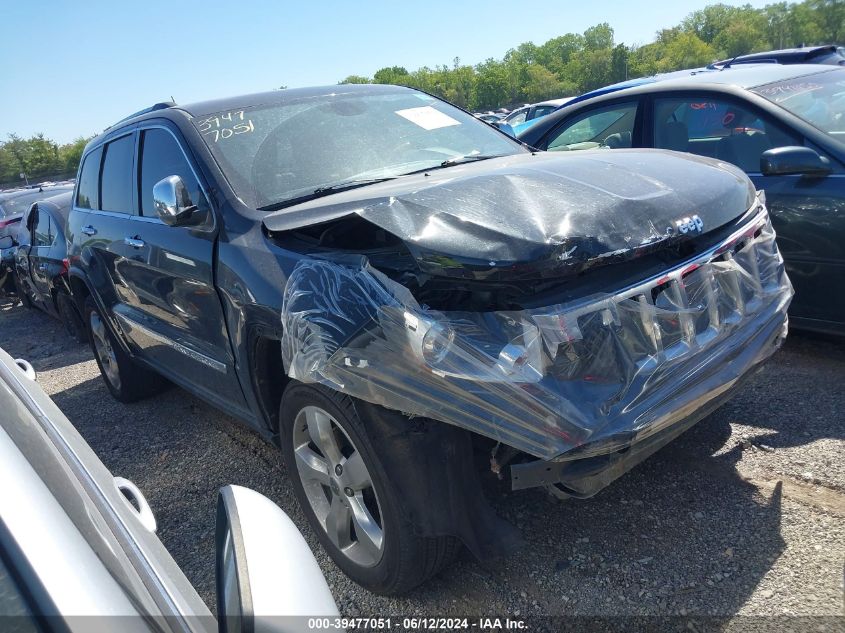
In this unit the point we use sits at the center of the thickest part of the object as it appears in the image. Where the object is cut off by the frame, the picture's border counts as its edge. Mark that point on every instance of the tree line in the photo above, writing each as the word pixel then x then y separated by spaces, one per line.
pixel 39 158
pixel 575 63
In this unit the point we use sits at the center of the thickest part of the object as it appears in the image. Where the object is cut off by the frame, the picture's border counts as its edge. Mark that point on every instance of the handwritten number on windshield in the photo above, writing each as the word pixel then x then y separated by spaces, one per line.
pixel 216 126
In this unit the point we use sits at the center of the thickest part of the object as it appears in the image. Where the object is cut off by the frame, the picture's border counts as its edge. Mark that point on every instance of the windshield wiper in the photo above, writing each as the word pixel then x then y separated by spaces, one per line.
pixel 457 160
pixel 348 184
pixel 324 190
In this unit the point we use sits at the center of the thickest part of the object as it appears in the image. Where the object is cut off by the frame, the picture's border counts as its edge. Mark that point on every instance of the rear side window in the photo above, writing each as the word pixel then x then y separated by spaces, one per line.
pixel 161 157
pixel 86 190
pixel 43 234
pixel 116 181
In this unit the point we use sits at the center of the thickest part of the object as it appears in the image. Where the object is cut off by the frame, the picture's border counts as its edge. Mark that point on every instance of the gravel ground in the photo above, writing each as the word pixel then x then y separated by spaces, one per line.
pixel 743 515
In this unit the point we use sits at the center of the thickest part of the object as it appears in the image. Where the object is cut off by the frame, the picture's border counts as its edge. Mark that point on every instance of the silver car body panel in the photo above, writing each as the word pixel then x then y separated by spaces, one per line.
pixel 62 467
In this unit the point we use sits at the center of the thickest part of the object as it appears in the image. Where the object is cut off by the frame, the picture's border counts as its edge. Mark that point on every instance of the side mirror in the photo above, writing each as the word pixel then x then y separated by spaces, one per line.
pixel 6 242
pixel 267 577
pixel 793 160
pixel 172 201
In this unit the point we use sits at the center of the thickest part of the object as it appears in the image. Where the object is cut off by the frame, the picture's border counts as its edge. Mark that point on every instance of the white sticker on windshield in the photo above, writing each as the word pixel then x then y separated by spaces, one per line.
pixel 427 117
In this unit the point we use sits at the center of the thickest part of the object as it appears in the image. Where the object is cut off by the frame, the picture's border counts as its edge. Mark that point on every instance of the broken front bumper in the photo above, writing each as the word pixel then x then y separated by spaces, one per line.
pixel 581 379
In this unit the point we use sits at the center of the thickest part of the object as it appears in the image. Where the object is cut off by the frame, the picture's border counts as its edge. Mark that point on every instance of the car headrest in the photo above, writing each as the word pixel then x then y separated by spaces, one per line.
pixel 674 135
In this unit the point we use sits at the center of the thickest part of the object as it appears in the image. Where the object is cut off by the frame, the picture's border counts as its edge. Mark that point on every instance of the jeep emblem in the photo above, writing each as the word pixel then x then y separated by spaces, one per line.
pixel 691 224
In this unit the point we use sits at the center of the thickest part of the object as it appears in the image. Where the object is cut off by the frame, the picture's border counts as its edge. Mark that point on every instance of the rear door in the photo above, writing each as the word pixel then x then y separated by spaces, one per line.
pixel 171 309
pixel 109 205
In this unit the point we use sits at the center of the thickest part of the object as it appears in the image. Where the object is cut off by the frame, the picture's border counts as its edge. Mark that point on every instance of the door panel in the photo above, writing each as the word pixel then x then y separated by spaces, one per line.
pixel 809 217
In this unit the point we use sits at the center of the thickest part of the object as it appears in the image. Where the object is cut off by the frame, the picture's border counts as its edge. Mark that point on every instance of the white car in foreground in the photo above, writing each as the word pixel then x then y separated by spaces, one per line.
pixel 78 549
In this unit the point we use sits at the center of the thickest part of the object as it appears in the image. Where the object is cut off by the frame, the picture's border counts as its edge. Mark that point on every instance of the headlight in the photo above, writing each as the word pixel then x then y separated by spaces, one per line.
pixel 437 343
pixel 483 348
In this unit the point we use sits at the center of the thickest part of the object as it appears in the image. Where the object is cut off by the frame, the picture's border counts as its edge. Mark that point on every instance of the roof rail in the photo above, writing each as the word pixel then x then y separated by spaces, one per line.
pixel 156 106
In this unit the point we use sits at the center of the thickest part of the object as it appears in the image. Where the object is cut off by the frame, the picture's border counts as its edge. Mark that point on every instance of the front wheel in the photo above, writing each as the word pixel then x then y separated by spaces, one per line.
pixel 347 497
pixel 126 380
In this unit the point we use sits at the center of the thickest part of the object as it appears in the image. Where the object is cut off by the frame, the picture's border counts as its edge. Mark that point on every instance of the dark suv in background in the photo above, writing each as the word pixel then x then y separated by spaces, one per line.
pixel 380 283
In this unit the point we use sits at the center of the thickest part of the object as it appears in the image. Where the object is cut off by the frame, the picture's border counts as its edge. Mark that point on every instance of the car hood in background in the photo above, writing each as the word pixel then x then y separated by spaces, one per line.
pixel 539 213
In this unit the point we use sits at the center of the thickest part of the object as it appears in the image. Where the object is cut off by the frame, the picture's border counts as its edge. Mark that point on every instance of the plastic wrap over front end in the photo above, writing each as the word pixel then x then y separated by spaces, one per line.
pixel 574 379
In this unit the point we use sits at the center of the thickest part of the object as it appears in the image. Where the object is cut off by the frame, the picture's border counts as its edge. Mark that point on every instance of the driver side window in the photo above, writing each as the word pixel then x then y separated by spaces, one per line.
pixel 161 157
pixel 611 127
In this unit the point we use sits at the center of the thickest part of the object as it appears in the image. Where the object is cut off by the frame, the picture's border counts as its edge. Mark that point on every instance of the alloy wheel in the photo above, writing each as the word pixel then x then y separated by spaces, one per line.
pixel 338 486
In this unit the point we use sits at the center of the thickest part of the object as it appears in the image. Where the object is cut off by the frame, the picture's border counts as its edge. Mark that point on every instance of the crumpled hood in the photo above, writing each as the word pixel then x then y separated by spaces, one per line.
pixel 532 211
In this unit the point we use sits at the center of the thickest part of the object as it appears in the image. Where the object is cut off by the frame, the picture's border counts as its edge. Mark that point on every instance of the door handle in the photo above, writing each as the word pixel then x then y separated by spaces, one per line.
pixel 42 267
pixel 135 500
pixel 88 230
pixel 134 242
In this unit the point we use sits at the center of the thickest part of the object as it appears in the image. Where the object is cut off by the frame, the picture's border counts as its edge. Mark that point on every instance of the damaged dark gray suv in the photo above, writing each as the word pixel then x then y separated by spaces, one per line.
pixel 387 288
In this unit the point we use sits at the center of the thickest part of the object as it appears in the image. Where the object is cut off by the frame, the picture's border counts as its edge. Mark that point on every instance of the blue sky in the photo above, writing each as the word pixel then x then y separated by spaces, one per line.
pixel 72 68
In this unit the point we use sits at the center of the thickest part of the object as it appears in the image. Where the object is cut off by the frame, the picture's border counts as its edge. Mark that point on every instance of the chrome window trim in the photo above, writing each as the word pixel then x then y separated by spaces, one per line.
pixel 164 340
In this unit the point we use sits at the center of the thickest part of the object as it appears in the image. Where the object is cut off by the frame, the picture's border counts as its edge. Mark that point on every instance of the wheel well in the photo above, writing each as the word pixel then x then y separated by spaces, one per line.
pixel 268 377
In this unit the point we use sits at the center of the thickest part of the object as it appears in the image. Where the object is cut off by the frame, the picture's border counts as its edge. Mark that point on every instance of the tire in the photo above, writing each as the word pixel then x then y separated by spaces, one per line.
pixel 70 318
pixel 126 380
pixel 404 559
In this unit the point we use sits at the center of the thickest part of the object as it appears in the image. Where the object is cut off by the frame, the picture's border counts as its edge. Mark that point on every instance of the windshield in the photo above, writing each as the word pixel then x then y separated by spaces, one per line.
pixel 273 154
pixel 818 99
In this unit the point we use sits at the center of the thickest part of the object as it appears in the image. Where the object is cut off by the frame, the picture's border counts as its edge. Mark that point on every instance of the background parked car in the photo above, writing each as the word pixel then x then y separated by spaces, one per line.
pixel 13 204
pixel 41 265
pixel 534 111
pixel 80 551
pixel 783 125
pixel 488 117
pixel 829 54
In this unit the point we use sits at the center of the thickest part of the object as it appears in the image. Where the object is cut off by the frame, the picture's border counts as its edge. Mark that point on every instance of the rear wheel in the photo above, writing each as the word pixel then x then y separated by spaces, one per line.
pixel 347 497
pixel 126 380
pixel 70 317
